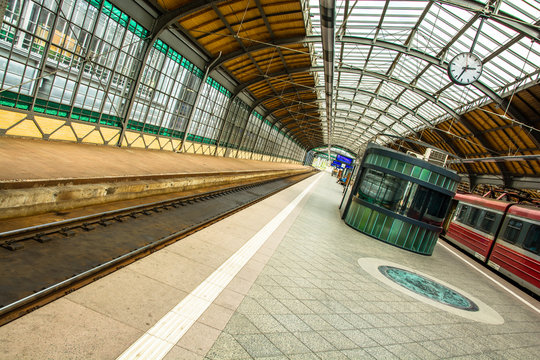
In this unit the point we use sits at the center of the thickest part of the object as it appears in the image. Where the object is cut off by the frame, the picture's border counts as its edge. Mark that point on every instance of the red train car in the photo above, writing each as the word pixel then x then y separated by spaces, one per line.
pixel 503 235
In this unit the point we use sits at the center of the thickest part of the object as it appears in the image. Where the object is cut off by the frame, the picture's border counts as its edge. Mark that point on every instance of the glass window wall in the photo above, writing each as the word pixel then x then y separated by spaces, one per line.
pixel 209 113
pixel 403 197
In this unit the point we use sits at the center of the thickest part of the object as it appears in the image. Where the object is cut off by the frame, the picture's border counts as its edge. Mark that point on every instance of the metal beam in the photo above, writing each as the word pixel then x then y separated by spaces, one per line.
pixel 528 30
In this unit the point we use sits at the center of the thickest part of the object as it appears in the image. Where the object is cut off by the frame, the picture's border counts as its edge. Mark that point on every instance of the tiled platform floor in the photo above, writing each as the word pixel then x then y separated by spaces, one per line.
pixel 313 301
pixel 302 296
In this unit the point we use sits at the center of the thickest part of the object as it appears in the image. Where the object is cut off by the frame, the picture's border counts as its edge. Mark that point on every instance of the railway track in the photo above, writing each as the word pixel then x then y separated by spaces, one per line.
pixel 41 263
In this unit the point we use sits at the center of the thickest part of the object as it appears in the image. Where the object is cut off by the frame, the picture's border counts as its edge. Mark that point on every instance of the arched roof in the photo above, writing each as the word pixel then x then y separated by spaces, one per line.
pixel 389 81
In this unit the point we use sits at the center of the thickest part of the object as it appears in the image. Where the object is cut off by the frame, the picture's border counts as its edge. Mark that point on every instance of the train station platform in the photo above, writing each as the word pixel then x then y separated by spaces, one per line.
pixel 284 279
pixel 23 160
pixel 54 178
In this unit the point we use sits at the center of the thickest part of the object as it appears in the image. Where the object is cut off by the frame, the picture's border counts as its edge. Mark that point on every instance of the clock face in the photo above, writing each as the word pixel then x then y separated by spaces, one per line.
pixel 465 68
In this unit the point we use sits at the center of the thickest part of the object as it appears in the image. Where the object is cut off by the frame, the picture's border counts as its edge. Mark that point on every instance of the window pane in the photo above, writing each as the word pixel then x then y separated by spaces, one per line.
pixel 512 231
pixel 473 216
pixel 532 241
pixel 487 222
pixel 462 213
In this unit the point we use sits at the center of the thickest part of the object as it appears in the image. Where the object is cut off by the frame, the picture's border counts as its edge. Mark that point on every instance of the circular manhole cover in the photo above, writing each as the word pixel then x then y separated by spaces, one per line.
pixel 428 288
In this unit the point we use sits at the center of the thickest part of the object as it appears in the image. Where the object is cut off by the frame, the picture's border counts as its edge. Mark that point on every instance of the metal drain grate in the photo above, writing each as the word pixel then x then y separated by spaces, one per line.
pixel 427 288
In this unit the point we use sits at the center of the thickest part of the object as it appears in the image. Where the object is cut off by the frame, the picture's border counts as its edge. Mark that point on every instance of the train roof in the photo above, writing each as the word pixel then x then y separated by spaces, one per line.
pixel 499 205
pixel 526 211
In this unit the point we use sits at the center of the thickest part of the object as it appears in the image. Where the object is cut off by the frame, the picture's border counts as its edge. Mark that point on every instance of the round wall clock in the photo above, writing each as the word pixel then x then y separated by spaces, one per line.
pixel 465 68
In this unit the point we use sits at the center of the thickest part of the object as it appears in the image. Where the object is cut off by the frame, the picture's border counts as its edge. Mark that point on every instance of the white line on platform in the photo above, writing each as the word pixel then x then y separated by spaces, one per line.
pixel 161 338
pixel 459 256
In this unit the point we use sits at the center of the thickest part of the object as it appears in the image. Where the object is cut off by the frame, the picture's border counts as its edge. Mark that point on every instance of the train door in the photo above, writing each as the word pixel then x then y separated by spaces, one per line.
pixel 449 216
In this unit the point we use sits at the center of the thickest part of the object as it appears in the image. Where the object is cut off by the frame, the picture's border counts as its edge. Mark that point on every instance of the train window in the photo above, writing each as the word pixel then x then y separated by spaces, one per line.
pixel 487 222
pixel 532 241
pixel 461 212
pixel 473 216
pixel 512 231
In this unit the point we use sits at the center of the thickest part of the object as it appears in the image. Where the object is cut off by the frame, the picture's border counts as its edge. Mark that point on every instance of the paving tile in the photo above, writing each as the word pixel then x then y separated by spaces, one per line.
pixel 501 355
pixel 249 273
pixel 292 322
pixel 434 348
pixel 396 334
pixel 380 336
pixel 259 292
pixel 299 281
pixel 229 299
pixel 373 320
pixel 337 321
pixel 314 341
pixel 317 293
pixel 199 338
pixel 359 338
pixel 288 343
pixel 178 352
pixel 48 335
pixel 266 323
pixel 336 307
pixel 338 340
pixel 356 321
pixel 420 351
pixel 172 269
pixel 381 353
pixel 317 306
pixel 227 348
pixel 359 354
pixel 258 345
pixel 354 306
pixel 216 316
pixel 332 355
pixel 401 352
pixel 277 291
pixel 301 293
pixel 240 285
pixel 303 357
pixel 471 357
pixel 274 306
pixel 251 306
pixel 389 319
pixel 119 297
pixel 200 251
pixel 284 281
pixel 296 306
pixel 240 324
pixel 315 322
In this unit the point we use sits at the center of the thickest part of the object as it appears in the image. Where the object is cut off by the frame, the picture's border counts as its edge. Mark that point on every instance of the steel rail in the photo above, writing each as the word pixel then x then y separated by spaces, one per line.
pixel 11 239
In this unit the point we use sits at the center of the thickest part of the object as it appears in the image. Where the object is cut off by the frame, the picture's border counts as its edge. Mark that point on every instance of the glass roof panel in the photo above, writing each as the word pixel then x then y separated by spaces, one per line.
pixel 526 10
pixel 386 120
pixel 390 90
pixel 399 45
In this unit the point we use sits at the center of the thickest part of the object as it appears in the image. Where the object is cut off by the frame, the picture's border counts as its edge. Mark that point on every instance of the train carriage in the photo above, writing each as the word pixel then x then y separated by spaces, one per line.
pixel 475 223
pixel 516 251
pixel 503 235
